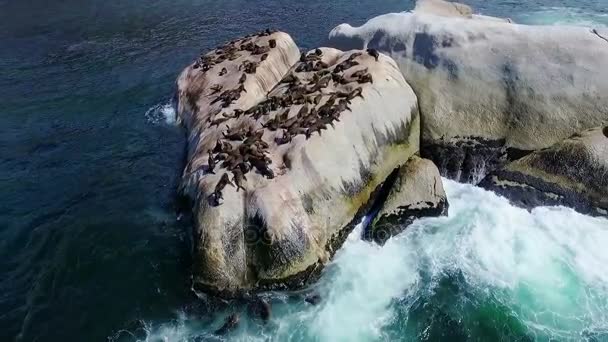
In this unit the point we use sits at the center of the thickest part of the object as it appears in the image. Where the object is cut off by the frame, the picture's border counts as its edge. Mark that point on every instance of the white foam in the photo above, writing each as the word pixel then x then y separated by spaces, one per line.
pixel 162 113
pixel 564 16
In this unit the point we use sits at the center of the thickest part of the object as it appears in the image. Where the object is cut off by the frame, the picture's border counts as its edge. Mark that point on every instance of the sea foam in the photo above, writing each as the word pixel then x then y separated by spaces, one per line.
pixel 544 270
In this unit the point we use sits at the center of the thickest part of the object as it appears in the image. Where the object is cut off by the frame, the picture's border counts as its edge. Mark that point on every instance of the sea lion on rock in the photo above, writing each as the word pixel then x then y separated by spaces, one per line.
pixel 357 92
pixel 374 53
pixel 285 139
pixel 359 73
pixel 217 192
pixel 230 323
pixel 291 79
pixel 235 136
pixel 264 57
pixel 238 178
pixel 218 121
pixel 210 163
pixel 243 78
pixel 262 168
pixel 354 55
pixel 319 52
pixel 216 88
pixel 367 78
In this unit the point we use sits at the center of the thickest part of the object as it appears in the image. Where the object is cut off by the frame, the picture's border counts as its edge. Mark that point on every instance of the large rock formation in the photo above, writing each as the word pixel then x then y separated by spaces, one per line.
pixel 490 91
pixel 417 192
pixel 572 173
pixel 305 158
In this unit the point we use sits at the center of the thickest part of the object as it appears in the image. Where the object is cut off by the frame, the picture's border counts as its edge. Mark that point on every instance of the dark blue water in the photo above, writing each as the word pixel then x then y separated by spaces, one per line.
pixel 89 241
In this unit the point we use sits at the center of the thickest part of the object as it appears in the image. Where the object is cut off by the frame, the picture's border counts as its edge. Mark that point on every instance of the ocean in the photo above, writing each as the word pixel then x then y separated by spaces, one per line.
pixel 91 248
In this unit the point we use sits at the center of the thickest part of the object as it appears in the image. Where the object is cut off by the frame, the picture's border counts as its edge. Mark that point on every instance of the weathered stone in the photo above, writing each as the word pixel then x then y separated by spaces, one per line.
pixel 572 173
pixel 444 8
pixel 307 182
pixel 507 87
pixel 417 192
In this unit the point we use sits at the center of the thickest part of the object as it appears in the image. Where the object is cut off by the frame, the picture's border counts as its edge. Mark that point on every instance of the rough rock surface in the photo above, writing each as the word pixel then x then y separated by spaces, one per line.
pixel 444 8
pixel 572 173
pixel 507 88
pixel 417 192
pixel 304 159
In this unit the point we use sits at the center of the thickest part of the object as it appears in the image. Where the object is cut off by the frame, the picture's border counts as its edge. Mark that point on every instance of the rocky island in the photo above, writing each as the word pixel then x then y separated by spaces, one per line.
pixel 289 150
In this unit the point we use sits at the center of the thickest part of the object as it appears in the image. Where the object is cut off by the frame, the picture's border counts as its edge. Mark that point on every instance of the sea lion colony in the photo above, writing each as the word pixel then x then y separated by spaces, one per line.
pixel 242 149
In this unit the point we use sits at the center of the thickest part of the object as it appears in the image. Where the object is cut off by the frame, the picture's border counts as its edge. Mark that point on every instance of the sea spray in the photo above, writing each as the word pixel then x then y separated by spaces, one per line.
pixel 564 16
pixel 162 113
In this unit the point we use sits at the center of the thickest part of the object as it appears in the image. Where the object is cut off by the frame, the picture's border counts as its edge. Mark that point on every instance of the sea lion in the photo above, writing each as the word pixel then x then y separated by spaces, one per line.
pixel 354 55
pixel 343 105
pixel 303 57
pixel 374 53
pixel 223 72
pixel 210 163
pixel 218 121
pixel 272 43
pixel 291 79
pixel 320 65
pixel 264 57
pixel 359 73
pixel 262 167
pixel 322 83
pixel 357 92
pixel 317 99
pixel 339 79
pixel 221 184
pixel 243 78
pixel 365 78
pixel 285 139
pixel 230 323
pixel 260 50
pixel 216 88
pixel 318 52
pixel 235 136
pixel 238 177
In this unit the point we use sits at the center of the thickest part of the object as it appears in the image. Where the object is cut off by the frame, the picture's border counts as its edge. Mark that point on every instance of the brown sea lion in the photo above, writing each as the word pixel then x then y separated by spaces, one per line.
pixel 374 53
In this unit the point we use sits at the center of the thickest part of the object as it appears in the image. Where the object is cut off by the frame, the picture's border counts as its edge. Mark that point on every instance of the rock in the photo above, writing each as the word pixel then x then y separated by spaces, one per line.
pixel 509 89
pixel 571 173
pixel 301 171
pixel 444 8
pixel 230 323
pixel 417 192
pixel 260 308
pixel 313 299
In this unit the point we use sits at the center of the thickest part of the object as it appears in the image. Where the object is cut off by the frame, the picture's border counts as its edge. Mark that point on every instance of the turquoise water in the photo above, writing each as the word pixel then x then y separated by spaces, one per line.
pixel 90 245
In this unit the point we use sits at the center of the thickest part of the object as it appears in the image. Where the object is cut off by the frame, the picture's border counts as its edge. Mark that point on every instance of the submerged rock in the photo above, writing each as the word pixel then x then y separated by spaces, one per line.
pixel 508 89
pixel 313 299
pixel 417 192
pixel 230 323
pixel 572 173
pixel 280 178
pixel 260 308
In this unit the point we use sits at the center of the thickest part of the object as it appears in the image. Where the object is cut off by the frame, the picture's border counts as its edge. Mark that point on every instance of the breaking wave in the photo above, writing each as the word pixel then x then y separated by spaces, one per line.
pixel 489 270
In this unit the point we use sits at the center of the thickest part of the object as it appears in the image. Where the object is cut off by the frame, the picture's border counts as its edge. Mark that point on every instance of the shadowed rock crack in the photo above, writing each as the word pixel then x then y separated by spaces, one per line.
pixel 594 31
